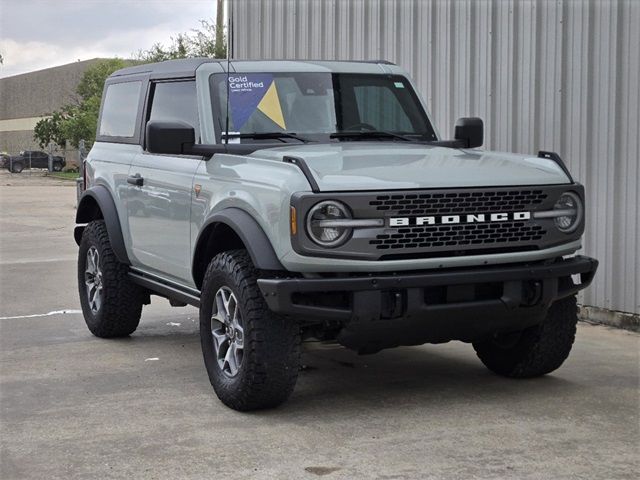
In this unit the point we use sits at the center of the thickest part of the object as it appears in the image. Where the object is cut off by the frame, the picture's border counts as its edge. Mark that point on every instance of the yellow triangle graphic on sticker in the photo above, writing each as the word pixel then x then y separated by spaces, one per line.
pixel 270 106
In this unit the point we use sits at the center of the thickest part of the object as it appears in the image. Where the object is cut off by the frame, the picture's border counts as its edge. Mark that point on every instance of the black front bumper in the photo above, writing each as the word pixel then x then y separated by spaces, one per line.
pixel 431 306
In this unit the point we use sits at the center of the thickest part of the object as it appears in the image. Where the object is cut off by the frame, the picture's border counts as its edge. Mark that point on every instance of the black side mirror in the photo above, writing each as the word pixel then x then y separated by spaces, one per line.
pixel 169 137
pixel 469 131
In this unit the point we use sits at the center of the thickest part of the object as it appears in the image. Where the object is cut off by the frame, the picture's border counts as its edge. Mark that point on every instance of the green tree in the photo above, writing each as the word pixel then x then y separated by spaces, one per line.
pixel 48 130
pixel 81 121
pixel 206 41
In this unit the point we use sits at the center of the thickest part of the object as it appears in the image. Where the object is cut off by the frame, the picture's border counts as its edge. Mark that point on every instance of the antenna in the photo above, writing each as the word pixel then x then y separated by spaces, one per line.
pixel 229 43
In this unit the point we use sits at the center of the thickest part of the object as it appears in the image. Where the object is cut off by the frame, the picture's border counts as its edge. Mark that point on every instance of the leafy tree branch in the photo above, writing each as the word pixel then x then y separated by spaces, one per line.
pixel 206 41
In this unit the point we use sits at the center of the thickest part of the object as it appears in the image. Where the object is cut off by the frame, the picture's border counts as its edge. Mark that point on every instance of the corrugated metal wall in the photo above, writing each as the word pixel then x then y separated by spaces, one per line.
pixel 560 75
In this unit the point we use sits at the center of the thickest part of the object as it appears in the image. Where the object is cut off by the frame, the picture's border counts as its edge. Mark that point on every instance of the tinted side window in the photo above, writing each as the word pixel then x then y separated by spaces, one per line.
pixel 175 101
pixel 120 110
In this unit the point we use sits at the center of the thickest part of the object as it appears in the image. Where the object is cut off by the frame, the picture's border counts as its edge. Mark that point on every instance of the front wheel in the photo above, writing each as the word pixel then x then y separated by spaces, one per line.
pixel 252 356
pixel 536 351
pixel 57 167
pixel 17 167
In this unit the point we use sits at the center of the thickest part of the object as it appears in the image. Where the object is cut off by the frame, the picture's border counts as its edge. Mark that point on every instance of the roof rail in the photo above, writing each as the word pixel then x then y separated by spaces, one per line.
pixel 383 62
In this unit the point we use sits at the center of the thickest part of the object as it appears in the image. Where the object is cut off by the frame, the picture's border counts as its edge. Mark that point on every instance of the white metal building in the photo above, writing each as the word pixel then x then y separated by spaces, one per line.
pixel 561 75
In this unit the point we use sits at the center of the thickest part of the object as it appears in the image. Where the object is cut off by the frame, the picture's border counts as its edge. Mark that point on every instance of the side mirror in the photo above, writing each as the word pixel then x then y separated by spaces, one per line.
pixel 469 131
pixel 169 137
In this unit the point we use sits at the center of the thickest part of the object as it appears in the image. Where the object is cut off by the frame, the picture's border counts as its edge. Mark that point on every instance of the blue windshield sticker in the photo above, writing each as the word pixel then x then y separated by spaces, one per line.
pixel 248 93
pixel 398 84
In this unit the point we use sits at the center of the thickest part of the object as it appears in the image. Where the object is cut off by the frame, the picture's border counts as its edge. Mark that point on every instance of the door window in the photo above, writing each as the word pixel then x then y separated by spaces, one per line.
pixel 175 101
pixel 379 106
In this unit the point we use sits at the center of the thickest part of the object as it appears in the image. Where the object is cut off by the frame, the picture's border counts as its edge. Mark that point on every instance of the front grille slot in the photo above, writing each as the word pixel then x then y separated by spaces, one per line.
pixel 434 236
pixel 457 202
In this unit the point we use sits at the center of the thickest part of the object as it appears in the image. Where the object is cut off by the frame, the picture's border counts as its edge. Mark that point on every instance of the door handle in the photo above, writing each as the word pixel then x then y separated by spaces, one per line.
pixel 136 180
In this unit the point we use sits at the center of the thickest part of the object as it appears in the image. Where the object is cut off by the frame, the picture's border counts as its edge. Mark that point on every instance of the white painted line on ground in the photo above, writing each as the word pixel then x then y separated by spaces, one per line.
pixel 151 359
pixel 55 312
pixel 38 260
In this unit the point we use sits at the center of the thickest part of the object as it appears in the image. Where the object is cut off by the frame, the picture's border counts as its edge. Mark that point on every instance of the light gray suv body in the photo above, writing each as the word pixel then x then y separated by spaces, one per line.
pixel 295 200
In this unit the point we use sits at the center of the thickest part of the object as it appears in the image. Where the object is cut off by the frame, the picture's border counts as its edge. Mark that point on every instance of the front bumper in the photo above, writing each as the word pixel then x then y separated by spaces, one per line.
pixel 432 306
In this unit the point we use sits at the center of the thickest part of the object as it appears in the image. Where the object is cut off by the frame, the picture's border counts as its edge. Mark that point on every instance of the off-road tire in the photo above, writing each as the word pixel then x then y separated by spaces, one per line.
pixel 17 167
pixel 271 357
pixel 538 350
pixel 121 308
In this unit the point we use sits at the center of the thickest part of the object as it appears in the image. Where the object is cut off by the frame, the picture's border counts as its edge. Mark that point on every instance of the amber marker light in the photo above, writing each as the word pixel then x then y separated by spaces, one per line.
pixel 294 220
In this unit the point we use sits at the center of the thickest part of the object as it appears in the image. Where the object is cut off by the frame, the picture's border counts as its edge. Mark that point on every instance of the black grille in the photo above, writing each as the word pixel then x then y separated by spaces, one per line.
pixel 458 202
pixel 434 236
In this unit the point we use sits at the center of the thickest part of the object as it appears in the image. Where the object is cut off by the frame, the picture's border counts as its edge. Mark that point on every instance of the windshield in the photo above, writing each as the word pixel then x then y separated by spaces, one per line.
pixel 318 106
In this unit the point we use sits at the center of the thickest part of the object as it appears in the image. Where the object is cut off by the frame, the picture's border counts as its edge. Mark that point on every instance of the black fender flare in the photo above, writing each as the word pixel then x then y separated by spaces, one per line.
pixel 249 231
pixel 101 197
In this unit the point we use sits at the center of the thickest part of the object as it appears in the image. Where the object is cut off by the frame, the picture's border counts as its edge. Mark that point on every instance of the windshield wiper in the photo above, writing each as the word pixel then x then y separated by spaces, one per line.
pixel 372 134
pixel 267 135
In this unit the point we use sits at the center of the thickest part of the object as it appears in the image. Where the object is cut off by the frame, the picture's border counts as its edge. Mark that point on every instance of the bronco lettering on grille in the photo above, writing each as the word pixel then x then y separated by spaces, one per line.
pixel 453 219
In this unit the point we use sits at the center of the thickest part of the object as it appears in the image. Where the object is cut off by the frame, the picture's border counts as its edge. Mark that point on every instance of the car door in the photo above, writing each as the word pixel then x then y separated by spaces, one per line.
pixel 160 189
pixel 33 159
pixel 42 160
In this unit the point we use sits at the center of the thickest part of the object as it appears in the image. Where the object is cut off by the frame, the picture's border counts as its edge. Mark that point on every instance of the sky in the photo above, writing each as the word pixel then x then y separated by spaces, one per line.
pixel 37 34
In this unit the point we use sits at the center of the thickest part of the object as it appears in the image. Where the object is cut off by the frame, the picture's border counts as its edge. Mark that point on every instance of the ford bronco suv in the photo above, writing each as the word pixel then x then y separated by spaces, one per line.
pixel 294 200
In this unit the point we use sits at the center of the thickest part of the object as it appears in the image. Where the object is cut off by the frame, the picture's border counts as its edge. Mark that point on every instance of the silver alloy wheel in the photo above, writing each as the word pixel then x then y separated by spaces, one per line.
pixel 227 332
pixel 93 279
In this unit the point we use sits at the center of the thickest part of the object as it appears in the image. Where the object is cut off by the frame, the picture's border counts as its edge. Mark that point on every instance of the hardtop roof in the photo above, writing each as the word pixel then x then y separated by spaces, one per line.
pixel 187 67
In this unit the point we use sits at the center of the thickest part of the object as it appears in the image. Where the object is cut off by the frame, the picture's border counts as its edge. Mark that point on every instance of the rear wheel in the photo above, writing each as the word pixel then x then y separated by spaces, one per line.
pixel 57 167
pixel 252 356
pixel 111 303
pixel 536 351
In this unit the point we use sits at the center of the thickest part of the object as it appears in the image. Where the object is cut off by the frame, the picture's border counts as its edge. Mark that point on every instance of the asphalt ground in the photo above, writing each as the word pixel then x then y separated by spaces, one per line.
pixel 75 406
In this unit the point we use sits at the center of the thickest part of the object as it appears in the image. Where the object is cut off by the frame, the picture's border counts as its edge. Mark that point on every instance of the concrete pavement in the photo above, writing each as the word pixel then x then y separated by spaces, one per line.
pixel 75 406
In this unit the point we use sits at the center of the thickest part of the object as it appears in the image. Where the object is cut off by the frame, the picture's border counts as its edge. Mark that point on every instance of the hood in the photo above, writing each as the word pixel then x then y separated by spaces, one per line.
pixel 394 166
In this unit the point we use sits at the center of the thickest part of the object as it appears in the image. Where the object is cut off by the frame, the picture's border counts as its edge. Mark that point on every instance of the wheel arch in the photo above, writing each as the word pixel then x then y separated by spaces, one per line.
pixel 232 228
pixel 96 203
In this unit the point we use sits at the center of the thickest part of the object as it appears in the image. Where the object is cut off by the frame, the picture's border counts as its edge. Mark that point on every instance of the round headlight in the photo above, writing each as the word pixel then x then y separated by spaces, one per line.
pixel 570 208
pixel 324 226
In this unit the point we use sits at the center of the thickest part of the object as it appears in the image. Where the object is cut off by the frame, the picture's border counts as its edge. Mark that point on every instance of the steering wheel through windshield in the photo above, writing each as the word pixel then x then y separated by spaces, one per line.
pixel 360 127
